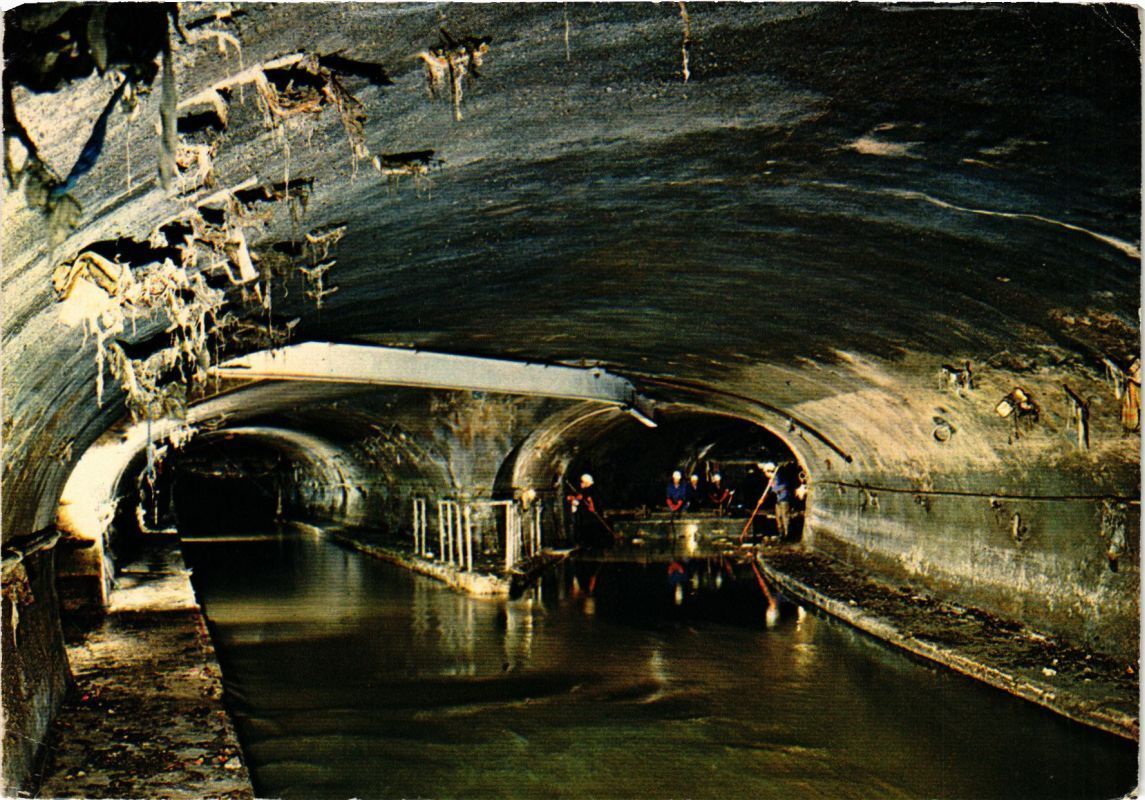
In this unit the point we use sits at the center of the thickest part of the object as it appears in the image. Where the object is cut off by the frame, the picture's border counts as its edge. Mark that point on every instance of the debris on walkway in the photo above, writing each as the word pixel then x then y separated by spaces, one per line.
pixel 146 718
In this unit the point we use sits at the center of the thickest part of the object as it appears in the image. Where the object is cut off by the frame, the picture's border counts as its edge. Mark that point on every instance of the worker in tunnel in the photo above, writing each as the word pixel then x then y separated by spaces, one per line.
pixel 589 528
pixel 694 494
pixel 780 485
pixel 676 495
pixel 719 496
pixel 785 489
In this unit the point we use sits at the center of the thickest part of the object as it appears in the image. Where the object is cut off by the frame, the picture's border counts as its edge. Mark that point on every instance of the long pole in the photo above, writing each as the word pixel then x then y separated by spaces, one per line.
pixel 762 583
pixel 468 538
pixel 441 530
pixel 607 527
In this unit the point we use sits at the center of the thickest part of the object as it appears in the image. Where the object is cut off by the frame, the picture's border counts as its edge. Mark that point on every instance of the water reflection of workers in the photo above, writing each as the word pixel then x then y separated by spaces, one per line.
pixel 676 577
pixel 719 496
pixel 677 493
pixel 585 578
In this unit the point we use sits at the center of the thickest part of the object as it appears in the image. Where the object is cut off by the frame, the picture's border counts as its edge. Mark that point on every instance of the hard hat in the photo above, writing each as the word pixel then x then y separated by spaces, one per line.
pixel 769 466
pixel 586 479
pixel 716 477
pixel 677 474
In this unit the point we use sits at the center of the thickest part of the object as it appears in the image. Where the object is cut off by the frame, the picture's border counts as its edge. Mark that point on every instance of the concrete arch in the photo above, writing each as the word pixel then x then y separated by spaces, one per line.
pixel 87 496
pixel 550 449
pixel 330 466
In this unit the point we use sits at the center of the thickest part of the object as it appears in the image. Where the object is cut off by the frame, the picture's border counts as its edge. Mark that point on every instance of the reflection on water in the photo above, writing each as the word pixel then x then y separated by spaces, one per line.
pixel 348 677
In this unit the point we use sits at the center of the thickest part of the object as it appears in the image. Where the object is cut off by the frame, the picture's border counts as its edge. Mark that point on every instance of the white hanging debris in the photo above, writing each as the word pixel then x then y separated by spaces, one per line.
pixel 457 59
pixel 686 45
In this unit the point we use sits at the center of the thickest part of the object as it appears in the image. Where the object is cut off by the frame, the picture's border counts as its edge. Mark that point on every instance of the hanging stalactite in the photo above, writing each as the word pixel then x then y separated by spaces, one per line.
pixel 686 44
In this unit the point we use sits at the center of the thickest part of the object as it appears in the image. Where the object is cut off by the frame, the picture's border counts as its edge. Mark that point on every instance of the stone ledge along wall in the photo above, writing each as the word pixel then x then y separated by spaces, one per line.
pixel 36 674
pixel 1013 517
pixel 1051 570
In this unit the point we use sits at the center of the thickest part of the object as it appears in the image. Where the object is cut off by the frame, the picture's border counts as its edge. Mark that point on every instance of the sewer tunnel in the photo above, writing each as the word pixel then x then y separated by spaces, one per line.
pixel 897 247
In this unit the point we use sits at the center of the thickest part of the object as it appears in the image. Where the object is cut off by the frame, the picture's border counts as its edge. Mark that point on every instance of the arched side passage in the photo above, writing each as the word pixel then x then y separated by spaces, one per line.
pixel 549 451
pixel 320 481
pixel 106 478
pixel 584 438
pixel 88 501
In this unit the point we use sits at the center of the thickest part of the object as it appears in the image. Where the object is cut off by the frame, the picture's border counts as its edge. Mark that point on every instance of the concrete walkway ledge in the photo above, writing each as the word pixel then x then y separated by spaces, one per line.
pixel 1087 687
pixel 480 584
pixel 146 716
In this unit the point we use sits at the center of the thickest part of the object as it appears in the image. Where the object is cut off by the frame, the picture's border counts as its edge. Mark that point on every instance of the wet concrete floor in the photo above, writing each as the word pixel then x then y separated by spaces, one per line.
pixel 347 677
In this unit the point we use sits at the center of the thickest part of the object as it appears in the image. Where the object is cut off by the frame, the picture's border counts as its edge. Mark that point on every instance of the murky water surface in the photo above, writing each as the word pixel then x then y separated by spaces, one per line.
pixel 348 677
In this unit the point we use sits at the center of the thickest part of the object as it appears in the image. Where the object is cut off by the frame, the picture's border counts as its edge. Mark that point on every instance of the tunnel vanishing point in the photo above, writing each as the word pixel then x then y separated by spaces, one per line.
pixel 387 269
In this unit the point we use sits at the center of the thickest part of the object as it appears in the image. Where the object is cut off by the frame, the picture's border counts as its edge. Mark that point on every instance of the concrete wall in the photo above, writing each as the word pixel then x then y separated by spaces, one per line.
pixel 1013 517
pixel 437 445
pixel 1049 568
pixel 36 674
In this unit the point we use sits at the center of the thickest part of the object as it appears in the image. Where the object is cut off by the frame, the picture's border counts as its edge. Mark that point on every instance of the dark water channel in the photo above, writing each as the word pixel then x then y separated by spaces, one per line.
pixel 348 677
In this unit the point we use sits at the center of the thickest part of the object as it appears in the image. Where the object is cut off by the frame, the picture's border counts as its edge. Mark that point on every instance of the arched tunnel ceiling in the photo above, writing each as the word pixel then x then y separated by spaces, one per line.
pixel 913 184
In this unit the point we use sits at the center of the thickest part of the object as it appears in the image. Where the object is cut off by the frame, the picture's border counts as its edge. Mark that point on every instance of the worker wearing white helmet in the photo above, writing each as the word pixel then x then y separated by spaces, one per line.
pixel 677 493
pixel 588 524
pixel 719 496
pixel 694 492
pixel 780 485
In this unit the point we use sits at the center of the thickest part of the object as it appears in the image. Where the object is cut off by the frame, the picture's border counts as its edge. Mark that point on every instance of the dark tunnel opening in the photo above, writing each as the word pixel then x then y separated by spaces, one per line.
pixel 144 507
pixel 233 485
pixel 632 468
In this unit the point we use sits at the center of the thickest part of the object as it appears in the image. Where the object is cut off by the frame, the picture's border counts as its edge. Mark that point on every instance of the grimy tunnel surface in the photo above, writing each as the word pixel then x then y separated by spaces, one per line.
pixel 896 248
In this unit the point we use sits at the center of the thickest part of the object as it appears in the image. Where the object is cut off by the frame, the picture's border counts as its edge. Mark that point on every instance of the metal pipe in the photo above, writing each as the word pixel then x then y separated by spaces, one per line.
pixel 456 544
pixel 459 536
pixel 449 529
pixel 509 538
pixel 424 527
pixel 440 530
pixel 392 366
pixel 468 538
pixel 416 543
pixel 987 495
pixel 423 545
pixel 537 527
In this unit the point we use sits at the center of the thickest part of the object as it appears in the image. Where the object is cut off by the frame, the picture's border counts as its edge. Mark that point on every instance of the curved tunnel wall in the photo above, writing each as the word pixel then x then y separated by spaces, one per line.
pixel 849 203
